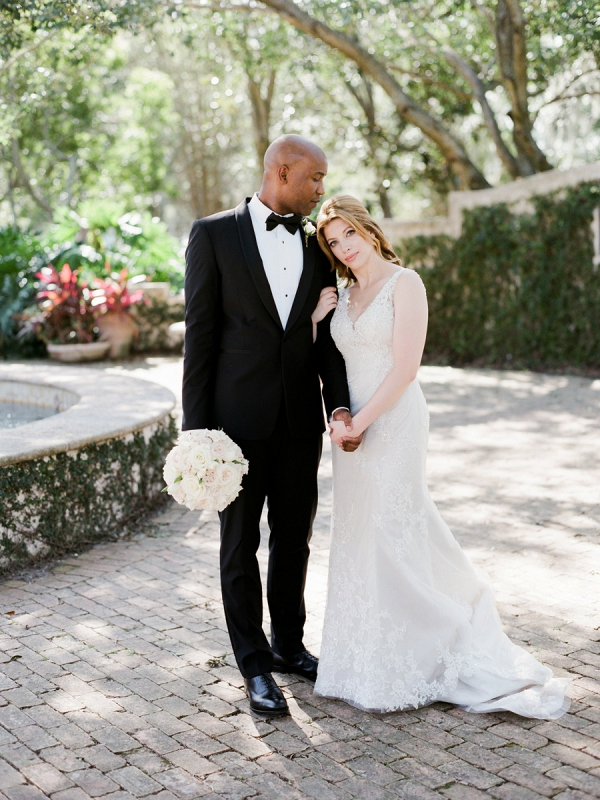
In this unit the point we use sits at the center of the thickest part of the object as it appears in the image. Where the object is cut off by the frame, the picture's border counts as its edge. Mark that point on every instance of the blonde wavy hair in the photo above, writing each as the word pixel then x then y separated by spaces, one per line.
pixel 354 214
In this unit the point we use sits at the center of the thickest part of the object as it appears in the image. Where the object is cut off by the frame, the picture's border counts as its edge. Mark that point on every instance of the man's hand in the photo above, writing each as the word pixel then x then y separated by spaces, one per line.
pixel 349 444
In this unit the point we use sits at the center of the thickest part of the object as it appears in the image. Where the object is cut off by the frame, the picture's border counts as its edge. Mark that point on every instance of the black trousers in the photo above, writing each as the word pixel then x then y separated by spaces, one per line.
pixel 282 471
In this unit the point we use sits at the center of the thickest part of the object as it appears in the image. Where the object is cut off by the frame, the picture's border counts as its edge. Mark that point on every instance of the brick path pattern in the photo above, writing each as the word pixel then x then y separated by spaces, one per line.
pixel 116 674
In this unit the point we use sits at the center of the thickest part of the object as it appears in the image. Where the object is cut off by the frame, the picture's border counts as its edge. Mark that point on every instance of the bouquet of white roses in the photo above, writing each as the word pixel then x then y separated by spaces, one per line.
pixel 204 470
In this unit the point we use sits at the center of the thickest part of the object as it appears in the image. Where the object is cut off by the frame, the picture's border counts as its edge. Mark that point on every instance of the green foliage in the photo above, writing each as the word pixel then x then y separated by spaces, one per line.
pixel 16 294
pixel 105 233
pixel 18 251
pixel 19 260
pixel 60 503
pixel 19 19
pixel 515 289
pixel 164 104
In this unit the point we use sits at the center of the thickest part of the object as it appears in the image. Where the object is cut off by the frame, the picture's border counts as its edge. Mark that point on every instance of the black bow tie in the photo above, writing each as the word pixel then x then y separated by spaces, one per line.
pixel 291 223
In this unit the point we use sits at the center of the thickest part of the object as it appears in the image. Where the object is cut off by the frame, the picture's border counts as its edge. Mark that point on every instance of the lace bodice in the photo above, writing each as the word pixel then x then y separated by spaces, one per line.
pixel 366 344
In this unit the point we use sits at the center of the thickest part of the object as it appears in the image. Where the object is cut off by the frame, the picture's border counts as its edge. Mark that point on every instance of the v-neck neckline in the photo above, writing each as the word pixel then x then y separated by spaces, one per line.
pixel 361 315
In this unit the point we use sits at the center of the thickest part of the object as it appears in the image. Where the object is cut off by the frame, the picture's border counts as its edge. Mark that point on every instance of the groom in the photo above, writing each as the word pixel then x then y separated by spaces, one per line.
pixel 253 278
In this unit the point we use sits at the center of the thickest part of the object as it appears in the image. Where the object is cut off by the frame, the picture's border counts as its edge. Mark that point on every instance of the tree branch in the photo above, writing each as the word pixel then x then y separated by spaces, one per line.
pixel 468 73
pixel 29 49
pixel 433 82
pixel 225 7
pixel 24 178
pixel 566 88
pixel 452 149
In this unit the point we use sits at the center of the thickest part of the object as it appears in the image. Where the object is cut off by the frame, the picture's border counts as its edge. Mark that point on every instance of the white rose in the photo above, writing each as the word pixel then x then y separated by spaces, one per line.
pixel 200 458
pixel 184 447
pixel 170 471
pixel 209 477
pixel 221 502
pixel 187 439
pixel 225 473
pixel 232 490
pixel 198 436
pixel 175 457
pixel 194 491
pixel 219 449
pixel 241 470
pixel 233 452
pixel 177 493
pixel 233 486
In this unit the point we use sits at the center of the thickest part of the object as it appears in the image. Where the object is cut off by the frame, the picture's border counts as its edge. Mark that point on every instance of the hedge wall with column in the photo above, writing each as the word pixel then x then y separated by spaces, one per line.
pixel 516 290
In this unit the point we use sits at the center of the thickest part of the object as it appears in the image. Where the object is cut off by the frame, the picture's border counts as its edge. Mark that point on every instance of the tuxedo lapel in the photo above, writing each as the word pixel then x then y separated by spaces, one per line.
pixel 308 269
pixel 253 259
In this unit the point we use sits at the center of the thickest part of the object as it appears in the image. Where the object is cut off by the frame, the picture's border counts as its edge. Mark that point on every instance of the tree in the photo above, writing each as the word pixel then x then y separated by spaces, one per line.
pixel 470 50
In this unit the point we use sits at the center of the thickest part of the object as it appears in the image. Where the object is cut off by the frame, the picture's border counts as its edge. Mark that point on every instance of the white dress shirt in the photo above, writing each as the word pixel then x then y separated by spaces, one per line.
pixel 283 259
pixel 282 256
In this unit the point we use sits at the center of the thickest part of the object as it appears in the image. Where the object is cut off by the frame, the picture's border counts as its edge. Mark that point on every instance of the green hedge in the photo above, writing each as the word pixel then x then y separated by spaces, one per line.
pixel 515 289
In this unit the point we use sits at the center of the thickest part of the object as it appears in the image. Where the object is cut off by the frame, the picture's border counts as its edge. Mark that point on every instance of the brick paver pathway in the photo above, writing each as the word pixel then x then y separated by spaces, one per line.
pixel 116 675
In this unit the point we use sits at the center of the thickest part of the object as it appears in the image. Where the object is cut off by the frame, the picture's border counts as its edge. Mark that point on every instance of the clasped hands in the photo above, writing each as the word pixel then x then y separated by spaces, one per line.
pixel 341 431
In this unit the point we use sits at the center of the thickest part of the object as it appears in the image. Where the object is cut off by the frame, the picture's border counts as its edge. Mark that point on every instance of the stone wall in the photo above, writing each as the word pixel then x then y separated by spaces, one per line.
pixel 74 478
pixel 515 194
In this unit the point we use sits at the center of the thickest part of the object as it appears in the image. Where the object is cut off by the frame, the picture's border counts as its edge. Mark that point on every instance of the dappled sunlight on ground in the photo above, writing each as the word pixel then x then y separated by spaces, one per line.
pixel 116 673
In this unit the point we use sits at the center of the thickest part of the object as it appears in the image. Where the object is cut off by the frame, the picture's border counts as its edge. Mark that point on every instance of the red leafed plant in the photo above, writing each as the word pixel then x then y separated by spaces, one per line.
pixel 112 293
pixel 65 314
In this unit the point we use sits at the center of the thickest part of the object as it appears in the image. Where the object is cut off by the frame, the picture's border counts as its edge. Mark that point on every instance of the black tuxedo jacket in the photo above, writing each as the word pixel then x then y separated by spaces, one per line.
pixel 239 362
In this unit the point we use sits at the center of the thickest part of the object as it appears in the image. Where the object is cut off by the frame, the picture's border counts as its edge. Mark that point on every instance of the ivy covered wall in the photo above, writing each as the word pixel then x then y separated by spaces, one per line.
pixel 515 290
pixel 56 504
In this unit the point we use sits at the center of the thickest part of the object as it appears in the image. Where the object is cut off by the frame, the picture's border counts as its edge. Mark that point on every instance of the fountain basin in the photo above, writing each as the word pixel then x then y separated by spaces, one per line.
pixel 22 403
pixel 79 475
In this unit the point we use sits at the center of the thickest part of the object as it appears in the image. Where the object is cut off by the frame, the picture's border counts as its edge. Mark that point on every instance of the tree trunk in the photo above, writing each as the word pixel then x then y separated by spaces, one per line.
pixel 373 139
pixel 512 59
pixel 23 179
pixel 384 201
pixel 261 115
pixel 467 174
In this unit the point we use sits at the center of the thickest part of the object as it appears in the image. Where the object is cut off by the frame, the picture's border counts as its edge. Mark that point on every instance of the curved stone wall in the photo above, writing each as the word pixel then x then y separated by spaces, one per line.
pixel 69 480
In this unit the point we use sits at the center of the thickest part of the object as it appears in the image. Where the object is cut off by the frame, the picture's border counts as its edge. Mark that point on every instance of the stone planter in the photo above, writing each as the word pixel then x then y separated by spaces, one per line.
pixel 118 329
pixel 153 290
pixel 72 353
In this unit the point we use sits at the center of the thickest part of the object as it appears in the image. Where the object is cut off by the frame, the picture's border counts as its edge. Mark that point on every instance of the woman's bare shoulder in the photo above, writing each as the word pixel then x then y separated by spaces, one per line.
pixel 410 282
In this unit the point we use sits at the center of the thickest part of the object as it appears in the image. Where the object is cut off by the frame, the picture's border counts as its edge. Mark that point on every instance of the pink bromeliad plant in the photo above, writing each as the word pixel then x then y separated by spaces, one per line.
pixel 65 313
pixel 112 293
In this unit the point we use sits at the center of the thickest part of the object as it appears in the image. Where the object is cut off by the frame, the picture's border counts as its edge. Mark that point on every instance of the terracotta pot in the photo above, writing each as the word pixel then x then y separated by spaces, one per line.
pixel 118 329
pixel 88 351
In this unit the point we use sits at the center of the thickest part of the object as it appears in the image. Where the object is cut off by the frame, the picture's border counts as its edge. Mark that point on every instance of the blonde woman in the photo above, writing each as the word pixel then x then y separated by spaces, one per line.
pixel 408 620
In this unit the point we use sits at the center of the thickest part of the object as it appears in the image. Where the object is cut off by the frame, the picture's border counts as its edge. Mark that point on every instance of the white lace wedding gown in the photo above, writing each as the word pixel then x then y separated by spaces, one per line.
pixel 408 620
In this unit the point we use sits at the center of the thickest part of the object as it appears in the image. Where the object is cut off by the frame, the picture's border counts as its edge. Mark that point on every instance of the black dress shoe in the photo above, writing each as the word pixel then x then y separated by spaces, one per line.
pixel 302 663
pixel 265 696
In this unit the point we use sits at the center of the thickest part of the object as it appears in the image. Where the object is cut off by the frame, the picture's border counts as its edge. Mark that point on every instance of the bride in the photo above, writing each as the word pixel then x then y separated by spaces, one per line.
pixel 408 620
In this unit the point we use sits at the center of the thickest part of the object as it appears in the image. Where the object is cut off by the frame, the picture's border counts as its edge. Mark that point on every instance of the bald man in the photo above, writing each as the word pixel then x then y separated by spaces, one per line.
pixel 253 279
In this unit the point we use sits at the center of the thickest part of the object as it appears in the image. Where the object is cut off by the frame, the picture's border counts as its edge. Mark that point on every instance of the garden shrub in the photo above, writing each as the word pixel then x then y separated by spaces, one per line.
pixel 106 233
pixel 515 289
pixel 20 258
